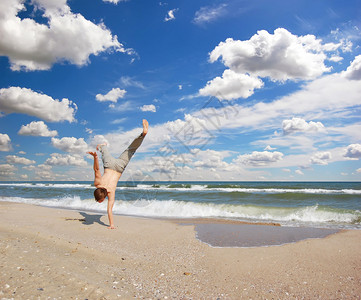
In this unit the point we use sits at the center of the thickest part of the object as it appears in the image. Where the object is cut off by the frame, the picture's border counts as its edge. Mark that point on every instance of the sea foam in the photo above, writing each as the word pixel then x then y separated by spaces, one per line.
pixel 309 215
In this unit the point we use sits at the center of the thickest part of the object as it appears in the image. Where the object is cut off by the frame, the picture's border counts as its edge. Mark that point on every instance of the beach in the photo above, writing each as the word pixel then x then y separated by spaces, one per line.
pixel 69 254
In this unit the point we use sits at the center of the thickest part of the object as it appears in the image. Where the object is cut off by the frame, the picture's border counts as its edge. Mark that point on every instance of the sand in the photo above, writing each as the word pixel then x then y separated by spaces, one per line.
pixel 63 254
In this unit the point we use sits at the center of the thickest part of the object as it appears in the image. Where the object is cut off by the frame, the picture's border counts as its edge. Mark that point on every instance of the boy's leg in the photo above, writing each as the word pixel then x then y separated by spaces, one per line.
pixel 125 157
pixel 106 157
pixel 129 152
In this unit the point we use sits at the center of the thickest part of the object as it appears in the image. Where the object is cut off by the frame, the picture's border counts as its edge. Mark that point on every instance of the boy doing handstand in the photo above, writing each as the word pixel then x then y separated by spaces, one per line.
pixel 113 168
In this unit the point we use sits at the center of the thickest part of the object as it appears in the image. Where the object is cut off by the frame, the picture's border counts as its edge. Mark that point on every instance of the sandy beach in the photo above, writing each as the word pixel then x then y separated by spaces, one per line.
pixel 65 254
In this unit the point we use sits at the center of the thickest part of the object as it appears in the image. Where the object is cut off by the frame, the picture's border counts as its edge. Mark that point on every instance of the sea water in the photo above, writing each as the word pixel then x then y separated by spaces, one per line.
pixel 316 204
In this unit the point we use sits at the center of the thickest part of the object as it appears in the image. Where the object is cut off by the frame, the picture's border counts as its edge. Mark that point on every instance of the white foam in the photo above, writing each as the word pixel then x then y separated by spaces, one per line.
pixel 182 209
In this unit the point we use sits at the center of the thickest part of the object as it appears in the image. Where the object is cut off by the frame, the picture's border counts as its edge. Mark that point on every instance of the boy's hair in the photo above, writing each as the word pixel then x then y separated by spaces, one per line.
pixel 100 194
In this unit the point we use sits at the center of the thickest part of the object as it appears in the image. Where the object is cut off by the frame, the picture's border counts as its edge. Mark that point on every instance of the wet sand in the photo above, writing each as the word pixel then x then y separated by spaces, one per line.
pixel 66 254
pixel 246 235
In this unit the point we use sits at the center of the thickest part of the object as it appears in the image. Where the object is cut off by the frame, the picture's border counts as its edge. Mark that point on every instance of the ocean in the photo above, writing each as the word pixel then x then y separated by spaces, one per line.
pixel 300 204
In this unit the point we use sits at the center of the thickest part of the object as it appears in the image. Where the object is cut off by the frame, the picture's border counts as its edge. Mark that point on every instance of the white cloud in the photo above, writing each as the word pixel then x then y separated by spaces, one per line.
pixel 231 86
pixel 7 170
pixel 320 97
pixel 118 121
pixel 45 167
pixel 209 14
pixel 29 168
pixel 269 148
pixel 114 1
pixel 353 72
pixel 13 159
pixel 353 151
pixel 124 106
pixel 170 15
pixel 70 144
pixel 65 36
pixel 113 95
pixel 321 158
pixel 299 172
pixel 149 107
pixel 57 159
pixel 129 81
pixel 211 159
pixel 26 101
pixel 37 129
pixel 5 142
pixel 45 175
pixel 258 159
pixel 335 58
pixel 279 56
pixel 298 124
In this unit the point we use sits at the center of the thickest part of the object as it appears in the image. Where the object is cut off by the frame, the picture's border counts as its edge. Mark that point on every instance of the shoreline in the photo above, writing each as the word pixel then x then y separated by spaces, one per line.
pixel 47 252
pixel 227 233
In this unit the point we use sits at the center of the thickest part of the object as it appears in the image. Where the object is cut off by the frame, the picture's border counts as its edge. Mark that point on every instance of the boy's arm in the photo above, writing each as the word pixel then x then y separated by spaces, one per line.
pixel 97 174
pixel 111 199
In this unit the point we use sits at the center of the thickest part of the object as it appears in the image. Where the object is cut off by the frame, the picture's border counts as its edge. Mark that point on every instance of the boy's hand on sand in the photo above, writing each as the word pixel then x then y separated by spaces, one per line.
pixel 111 227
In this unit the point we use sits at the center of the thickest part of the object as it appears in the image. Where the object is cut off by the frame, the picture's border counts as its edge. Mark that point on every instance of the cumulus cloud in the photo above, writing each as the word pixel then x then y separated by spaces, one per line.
pixel 7 170
pixel 335 58
pixel 149 107
pixel 211 159
pixel 319 97
pixel 321 158
pixel 113 95
pixel 279 56
pixel 5 142
pixel 300 125
pixel 70 144
pixel 299 172
pixel 65 36
pixel 57 159
pixel 29 168
pixel 13 159
pixel 353 151
pixel 37 129
pixel 98 139
pixel 26 101
pixel 209 14
pixel 353 72
pixel 170 15
pixel 231 86
pixel 259 159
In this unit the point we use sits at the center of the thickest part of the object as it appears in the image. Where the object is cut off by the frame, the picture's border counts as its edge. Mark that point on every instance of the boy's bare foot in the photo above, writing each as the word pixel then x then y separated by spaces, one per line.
pixel 145 127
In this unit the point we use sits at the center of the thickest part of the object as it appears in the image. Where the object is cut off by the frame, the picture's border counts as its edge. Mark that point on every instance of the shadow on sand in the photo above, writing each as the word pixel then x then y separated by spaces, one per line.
pixel 91 219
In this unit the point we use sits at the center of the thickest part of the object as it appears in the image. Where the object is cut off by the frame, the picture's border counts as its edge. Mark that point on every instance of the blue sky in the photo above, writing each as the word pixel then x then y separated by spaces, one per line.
pixel 233 90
